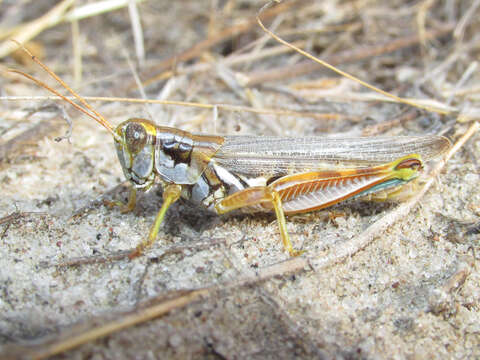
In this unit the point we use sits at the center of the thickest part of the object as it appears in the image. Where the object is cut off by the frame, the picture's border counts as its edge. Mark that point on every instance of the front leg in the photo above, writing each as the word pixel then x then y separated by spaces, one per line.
pixel 170 195
pixel 255 196
pixel 129 206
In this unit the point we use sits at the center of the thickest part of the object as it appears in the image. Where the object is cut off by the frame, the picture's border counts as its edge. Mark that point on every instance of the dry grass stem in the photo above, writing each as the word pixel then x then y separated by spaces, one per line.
pixel 28 31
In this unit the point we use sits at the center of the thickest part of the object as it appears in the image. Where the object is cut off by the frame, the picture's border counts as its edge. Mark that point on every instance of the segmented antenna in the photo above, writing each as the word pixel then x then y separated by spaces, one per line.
pixel 87 109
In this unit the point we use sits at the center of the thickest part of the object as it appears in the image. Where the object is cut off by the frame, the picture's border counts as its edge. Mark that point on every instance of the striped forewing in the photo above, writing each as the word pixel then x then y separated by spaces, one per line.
pixel 276 156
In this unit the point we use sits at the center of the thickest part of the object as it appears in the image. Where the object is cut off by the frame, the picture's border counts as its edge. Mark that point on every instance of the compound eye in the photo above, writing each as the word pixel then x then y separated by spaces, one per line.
pixel 135 137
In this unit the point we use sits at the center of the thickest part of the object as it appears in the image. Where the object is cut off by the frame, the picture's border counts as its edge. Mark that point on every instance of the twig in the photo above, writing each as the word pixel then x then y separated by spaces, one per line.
pixel 97 8
pixel 212 41
pixel 121 255
pixel 227 107
pixel 35 27
pixel 69 121
pixel 465 20
pixel 126 320
pixel 137 31
pixel 341 72
pixel 16 215
pixel 98 201
pixel 376 129
pixel 58 14
pixel 306 67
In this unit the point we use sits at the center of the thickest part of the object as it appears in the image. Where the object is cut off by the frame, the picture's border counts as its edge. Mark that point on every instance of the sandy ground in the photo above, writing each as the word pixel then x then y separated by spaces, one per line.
pixel 411 293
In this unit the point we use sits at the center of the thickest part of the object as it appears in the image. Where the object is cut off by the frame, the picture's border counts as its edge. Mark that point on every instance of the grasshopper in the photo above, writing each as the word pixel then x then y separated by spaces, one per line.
pixel 287 175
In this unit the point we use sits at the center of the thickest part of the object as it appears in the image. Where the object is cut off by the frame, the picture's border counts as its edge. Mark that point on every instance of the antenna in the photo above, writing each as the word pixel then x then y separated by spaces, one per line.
pixel 87 109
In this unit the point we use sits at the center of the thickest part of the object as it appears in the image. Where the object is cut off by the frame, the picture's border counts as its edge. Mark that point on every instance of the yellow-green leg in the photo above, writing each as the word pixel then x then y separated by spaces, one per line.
pixel 129 206
pixel 170 194
pixel 132 201
pixel 254 196
pixel 282 224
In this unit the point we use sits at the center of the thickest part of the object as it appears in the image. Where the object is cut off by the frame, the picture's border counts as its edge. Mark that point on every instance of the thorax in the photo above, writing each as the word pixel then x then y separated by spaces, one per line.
pixel 216 183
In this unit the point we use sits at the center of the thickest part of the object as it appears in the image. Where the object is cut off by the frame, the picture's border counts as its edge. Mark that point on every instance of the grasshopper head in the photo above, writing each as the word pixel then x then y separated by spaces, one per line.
pixel 135 145
pixel 176 156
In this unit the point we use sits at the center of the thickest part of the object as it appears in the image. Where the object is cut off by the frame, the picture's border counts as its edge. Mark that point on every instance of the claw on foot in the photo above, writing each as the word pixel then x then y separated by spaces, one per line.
pixel 135 253
pixel 294 253
pixel 124 208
